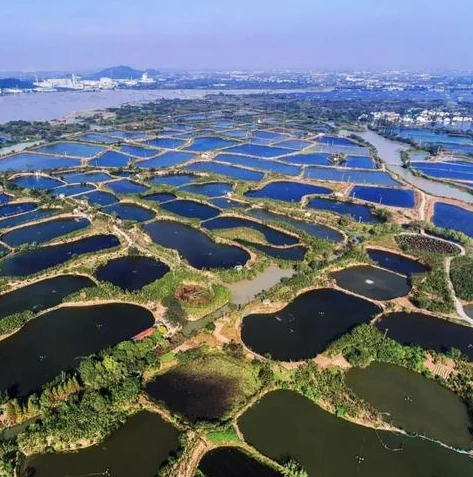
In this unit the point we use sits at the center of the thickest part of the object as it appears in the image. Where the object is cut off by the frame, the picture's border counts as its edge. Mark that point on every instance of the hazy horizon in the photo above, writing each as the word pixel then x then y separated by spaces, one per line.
pixel 328 35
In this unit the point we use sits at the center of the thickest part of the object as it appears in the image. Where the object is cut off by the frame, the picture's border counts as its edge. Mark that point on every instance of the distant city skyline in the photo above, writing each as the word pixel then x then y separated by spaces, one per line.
pixel 252 35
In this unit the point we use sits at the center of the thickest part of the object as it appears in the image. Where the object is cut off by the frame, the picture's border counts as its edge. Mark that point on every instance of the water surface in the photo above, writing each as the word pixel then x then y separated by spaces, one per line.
pixel 306 326
pixel 132 272
pixel 428 332
pixel 44 231
pixel 43 294
pixel 396 263
pixel 59 339
pixel 21 264
pixel 286 423
pixel 287 191
pixel 194 246
pixel 372 282
pixel 144 434
pixel 412 402
pixel 233 462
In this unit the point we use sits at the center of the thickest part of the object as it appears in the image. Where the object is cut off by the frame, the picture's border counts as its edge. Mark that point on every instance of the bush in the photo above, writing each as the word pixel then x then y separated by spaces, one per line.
pixel 461 273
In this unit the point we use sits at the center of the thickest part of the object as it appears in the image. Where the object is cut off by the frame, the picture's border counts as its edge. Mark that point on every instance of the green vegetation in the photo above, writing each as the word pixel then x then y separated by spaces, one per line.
pixel 208 298
pixel 366 344
pixel 292 468
pixel 13 322
pixel 325 386
pixel 461 273
pixel 431 290
pixel 225 436
pixel 86 419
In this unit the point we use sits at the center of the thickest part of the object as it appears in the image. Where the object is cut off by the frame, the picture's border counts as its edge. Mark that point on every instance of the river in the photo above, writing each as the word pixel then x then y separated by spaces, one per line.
pixel 55 105
pixel 389 151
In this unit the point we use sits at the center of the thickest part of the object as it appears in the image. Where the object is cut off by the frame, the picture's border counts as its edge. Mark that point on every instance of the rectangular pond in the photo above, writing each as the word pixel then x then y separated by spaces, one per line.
pixel 168 159
pixel 349 175
pixel 258 150
pixel 265 165
pixel 74 149
pixel 385 196
pixel 22 264
pixel 30 161
pixel 222 169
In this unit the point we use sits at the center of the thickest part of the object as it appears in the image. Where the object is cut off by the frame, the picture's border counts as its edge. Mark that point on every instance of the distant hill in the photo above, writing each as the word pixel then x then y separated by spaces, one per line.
pixel 15 83
pixel 116 72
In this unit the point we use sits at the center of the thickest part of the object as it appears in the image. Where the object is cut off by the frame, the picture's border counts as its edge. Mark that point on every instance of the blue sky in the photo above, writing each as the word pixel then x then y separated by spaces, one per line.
pixel 253 34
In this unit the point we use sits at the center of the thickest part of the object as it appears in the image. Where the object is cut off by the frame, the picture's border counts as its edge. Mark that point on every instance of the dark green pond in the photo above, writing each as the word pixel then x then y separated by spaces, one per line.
pixel 59 339
pixel 137 449
pixel 195 246
pixel 132 272
pixel 21 264
pixel 372 282
pixel 412 402
pixel 43 294
pixel 307 325
pixel 285 423
pixel 44 231
pixel 233 462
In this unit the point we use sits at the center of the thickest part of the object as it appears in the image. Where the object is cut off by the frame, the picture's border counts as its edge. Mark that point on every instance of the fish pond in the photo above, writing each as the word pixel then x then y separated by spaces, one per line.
pixel 70 190
pixel 168 159
pixel 285 423
pixel 125 186
pixel 36 182
pixel 396 263
pixel 349 175
pixel 78 177
pixel 57 340
pixel 309 159
pixel 194 246
pixel 165 143
pixel 74 149
pixel 21 264
pixel 44 231
pixel 210 189
pixel 190 209
pixel 219 168
pixel 111 159
pixel 233 462
pixel 306 326
pixel 159 197
pixel 129 211
pixel 294 253
pixel 358 212
pixel 273 236
pixel 452 217
pixel 29 161
pixel 258 150
pixel 372 282
pixel 16 208
pixel 132 272
pixel 138 151
pixel 42 295
pixel 145 434
pixel 204 144
pixel 287 191
pixel 32 216
pixel 174 180
pixel 99 198
pixel 311 228
pixel 385 196
pixel 428 332
pixel 411 402
pixel 265 165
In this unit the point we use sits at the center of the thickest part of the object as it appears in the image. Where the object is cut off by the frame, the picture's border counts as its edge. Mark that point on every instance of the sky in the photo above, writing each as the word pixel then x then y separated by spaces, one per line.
pixel 418 35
